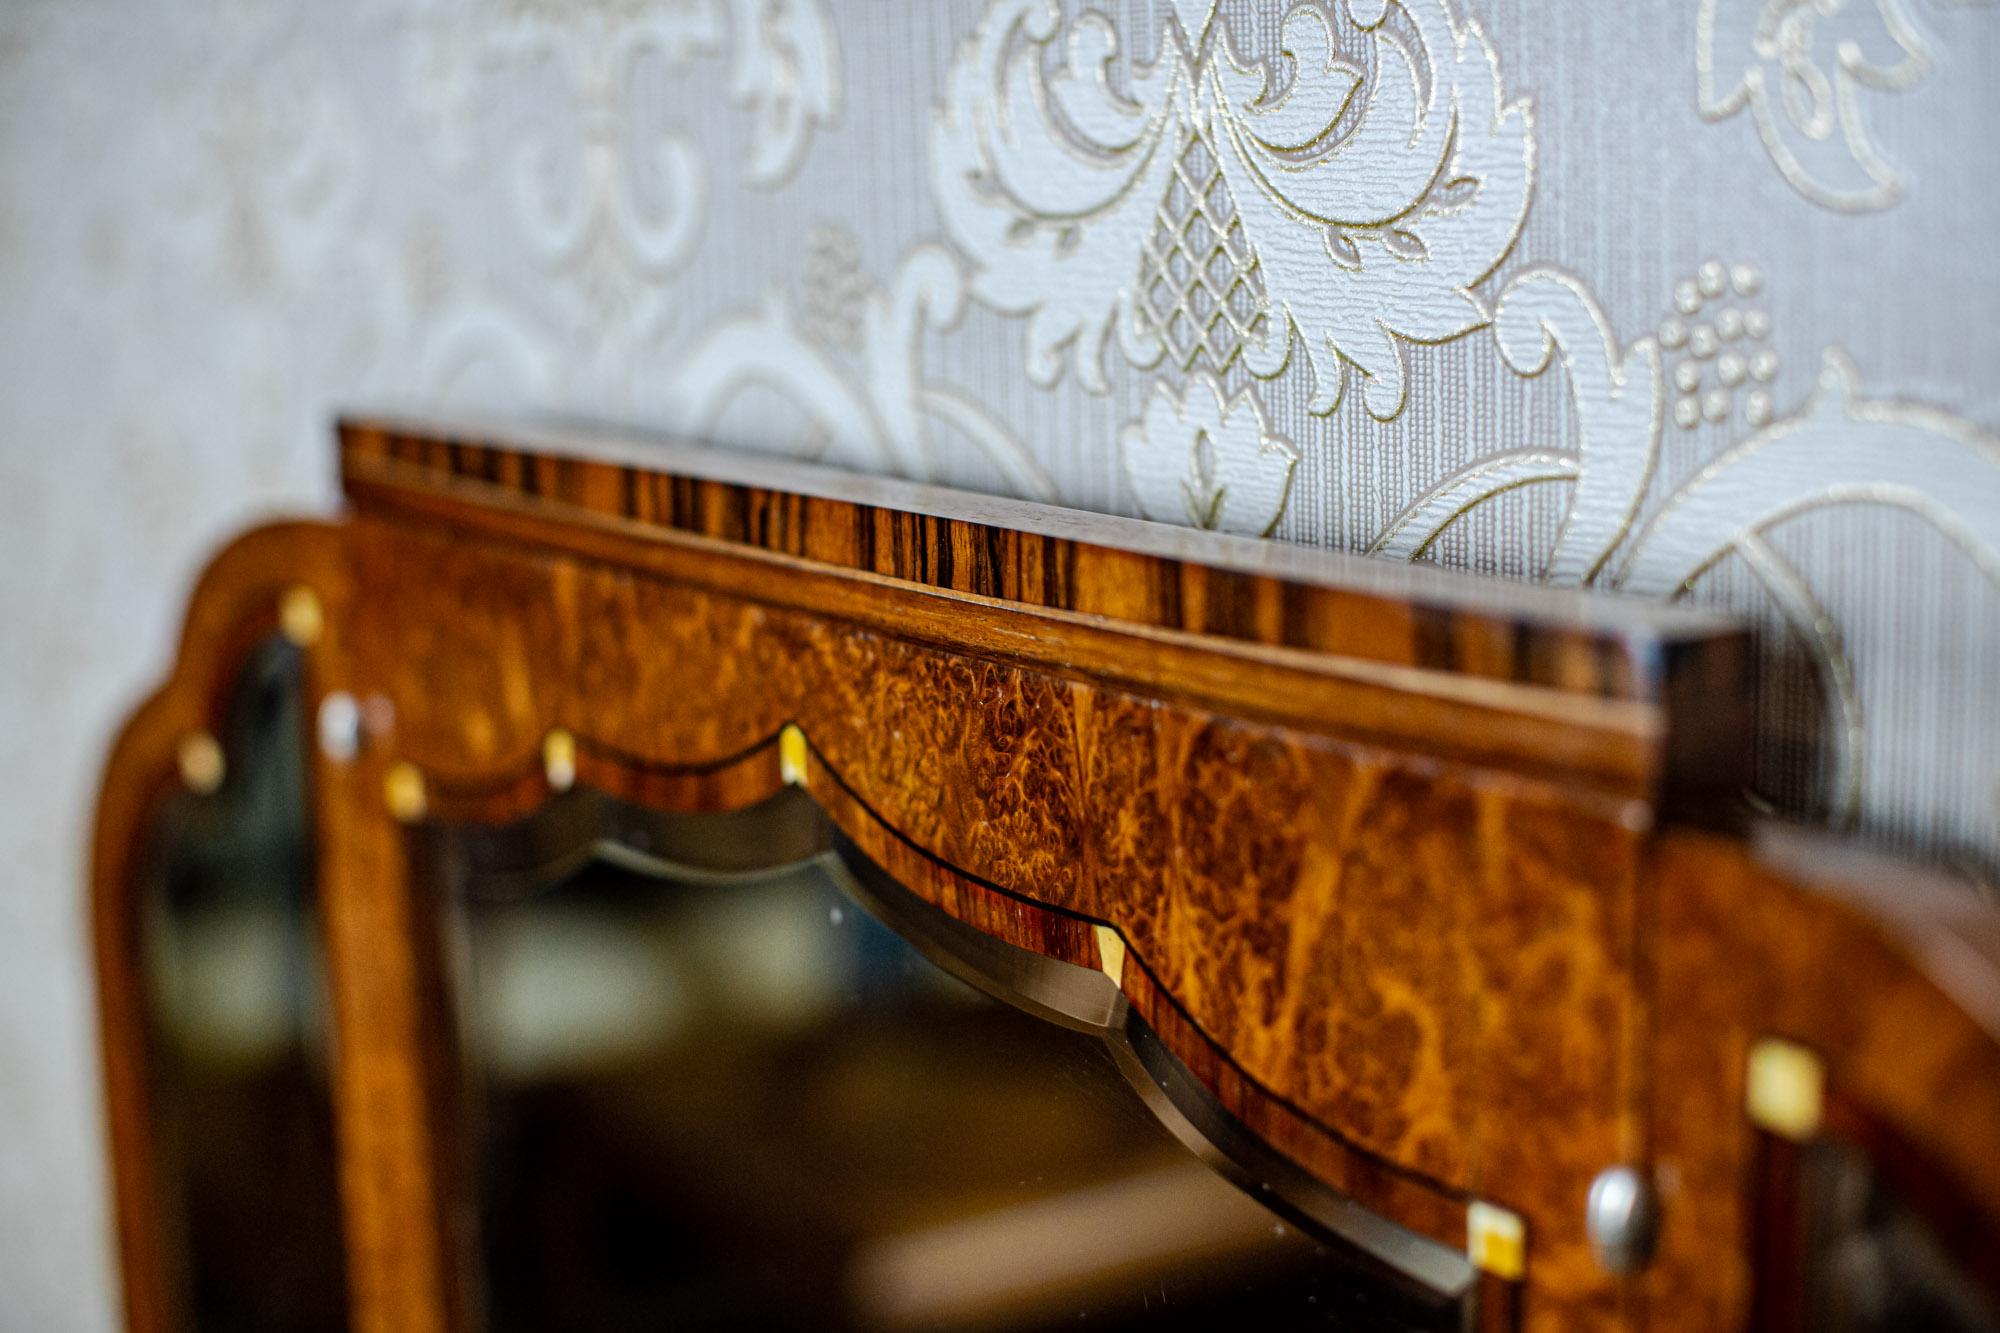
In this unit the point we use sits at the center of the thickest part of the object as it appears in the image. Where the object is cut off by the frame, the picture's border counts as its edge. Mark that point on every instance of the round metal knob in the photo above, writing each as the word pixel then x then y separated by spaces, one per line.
pixel 1622 1219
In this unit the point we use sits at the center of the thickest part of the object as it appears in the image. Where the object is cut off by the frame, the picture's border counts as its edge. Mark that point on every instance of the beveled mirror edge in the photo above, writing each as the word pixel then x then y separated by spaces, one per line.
pixel 1759 947
pixel 530 854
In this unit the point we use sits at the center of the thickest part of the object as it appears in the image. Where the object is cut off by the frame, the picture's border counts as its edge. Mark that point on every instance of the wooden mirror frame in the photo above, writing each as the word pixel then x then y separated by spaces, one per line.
pixel 1437 885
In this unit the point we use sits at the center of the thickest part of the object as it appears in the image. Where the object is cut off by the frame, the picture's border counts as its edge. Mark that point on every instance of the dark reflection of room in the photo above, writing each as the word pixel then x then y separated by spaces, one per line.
pixel 751 1104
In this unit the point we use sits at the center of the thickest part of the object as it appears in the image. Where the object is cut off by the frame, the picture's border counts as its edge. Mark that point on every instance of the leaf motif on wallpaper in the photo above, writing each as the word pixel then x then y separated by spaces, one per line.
pixel 785 68
pixel 1546 317
pixel 478 352
pixel 1805 69
pixel 576 189
pixel 1209 210
pixel 1208 462
pixel 573 186
pixel 1838 449
pixel 607 193
pixel 263 171
pixel 886 416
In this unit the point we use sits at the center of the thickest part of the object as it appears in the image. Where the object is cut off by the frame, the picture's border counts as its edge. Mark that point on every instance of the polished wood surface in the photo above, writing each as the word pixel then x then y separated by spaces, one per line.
pixel 1436 884
pixel 1394 651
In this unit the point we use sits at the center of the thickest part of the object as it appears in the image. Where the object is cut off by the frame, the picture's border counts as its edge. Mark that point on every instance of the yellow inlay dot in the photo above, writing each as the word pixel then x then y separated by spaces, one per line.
pixel 201 763
pixel 403 788
pixel 792 755
pixel 1111 954
pixel 559 759
pixel 300 615
pixel 1495 1240
pixel 1785 1089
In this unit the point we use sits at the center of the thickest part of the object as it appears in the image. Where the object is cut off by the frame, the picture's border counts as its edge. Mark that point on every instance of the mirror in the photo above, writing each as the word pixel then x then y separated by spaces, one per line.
pixel 237 1029
pixel 733 1100
pixel 1873 1261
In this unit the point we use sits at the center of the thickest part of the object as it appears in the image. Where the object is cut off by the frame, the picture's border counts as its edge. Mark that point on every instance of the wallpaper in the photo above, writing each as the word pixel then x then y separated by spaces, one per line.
pixel 1675 299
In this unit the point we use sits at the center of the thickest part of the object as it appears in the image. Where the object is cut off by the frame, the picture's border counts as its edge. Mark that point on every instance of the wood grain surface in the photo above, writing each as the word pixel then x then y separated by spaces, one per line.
pixel 1440 889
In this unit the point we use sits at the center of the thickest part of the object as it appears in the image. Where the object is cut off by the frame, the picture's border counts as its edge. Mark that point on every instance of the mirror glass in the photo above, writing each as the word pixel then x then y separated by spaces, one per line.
pixel 747 1103
pixel 237 1030
pixel 1874 1263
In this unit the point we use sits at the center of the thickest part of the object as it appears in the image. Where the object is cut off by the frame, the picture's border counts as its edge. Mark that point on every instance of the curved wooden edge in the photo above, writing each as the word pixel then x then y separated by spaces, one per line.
pixel 1627 1070
pixel 1832 959
pixel 1431 955
pixel 1426 975
pixel 515 789
pixel 235 606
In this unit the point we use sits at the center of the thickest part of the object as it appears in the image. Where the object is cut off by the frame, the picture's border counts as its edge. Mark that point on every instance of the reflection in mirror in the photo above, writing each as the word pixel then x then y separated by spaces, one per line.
pixel 1873 1262
pixel 237 1030
pixel 742 1101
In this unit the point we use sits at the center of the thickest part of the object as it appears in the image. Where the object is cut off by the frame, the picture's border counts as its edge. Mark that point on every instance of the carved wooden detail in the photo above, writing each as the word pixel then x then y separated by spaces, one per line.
pixel 1435 885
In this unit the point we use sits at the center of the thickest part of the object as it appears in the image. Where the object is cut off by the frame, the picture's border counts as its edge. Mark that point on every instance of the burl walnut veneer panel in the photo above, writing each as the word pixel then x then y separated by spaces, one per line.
pixel 1439 886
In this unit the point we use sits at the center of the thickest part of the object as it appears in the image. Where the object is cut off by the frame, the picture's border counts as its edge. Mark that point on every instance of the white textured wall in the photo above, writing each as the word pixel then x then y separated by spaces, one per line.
pixel 219 218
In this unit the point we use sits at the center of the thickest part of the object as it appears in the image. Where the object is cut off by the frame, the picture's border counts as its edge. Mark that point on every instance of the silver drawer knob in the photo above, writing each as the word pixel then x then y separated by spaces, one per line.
pixel 1622 1219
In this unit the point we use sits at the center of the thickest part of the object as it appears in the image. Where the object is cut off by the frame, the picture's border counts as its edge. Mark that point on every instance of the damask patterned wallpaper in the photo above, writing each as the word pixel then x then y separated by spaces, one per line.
pixel 1686 298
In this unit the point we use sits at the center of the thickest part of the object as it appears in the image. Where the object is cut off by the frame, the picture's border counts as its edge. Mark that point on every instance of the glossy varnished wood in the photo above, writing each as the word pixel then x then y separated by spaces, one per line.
pixel 389 1092
pixel 1648 700
pixel 235 607
pixel 1432 883
pixel 1892 973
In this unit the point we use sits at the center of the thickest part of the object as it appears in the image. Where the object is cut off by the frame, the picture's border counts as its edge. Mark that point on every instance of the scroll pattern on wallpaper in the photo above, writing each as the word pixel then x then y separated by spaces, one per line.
pixel 1804 71
pixel 609 250
pixel 1214 213
pixel 1216 221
